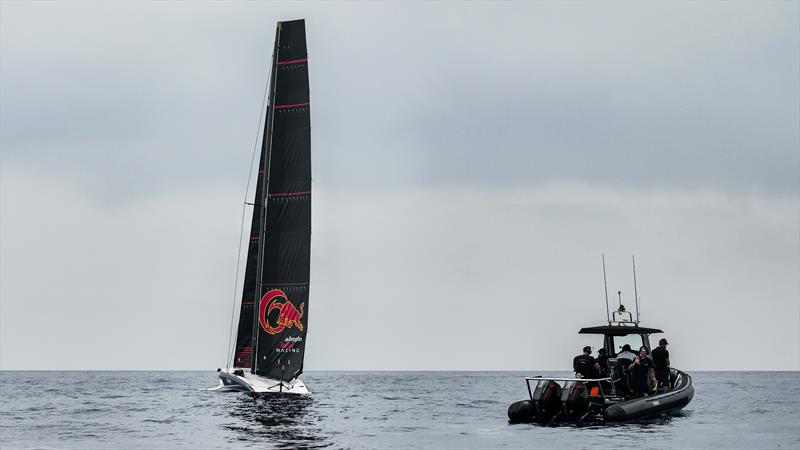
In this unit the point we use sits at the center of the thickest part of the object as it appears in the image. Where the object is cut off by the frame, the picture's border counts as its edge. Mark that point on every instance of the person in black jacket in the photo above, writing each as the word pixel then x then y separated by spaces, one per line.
pixel 661 363
pixel 602 361
pixel 585 365
pixel 641 372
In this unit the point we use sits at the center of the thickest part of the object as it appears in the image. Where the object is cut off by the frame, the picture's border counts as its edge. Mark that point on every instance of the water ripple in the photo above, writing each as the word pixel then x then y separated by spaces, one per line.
pixel 365 410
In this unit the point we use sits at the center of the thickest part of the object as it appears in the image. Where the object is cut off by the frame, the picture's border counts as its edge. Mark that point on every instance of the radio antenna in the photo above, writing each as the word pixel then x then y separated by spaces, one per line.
pixel 605 285
pixel 635 291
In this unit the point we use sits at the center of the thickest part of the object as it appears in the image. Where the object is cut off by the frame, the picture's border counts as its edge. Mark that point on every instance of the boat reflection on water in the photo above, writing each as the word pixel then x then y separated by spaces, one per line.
pixel 289 421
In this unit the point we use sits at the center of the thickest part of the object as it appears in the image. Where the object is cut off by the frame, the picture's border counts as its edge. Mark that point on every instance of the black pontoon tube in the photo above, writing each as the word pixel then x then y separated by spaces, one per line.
pixel 669 402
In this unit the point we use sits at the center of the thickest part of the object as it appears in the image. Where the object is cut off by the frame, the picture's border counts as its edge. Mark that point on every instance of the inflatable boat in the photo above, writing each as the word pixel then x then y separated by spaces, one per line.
pixel 581 400
pixel 584 401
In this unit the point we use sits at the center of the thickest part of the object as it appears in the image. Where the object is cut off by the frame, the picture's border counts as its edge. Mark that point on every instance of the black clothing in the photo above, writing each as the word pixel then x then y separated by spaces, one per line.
pixel 662 375
pixel 584 365
pixel 660 357
pixel 603 362
pixel 642 368
pixel 640 375
pixel 621 370
pixel 620 375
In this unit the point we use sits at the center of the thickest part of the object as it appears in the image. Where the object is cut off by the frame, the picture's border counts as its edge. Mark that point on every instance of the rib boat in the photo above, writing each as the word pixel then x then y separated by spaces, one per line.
pixel 579 400
pixel 273 315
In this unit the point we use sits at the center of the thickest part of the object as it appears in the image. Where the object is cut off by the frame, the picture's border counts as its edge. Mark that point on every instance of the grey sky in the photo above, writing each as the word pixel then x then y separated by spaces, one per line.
pixel 471 162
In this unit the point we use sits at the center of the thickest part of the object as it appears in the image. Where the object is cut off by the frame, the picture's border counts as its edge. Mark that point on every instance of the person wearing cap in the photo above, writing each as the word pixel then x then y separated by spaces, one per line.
pixel 661 363
pixel 641 372
pixel 585 365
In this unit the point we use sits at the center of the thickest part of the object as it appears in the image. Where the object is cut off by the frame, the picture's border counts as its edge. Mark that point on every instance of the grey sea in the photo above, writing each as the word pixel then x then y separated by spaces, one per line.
pixel 129 410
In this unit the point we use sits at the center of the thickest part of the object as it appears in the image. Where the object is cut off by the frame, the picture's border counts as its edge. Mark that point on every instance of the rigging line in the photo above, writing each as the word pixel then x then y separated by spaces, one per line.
pixel 231 345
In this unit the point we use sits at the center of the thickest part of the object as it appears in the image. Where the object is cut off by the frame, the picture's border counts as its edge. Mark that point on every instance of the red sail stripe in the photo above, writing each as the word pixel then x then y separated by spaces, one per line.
pixel 286 194
pixel 294 61
pixel 291 106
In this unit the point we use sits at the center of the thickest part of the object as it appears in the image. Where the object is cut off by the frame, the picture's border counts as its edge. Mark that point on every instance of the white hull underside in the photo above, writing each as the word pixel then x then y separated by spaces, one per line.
pixel 256 384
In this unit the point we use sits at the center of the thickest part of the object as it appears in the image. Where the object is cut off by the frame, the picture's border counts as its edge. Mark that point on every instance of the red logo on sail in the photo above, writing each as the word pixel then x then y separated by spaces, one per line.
pixel 288 315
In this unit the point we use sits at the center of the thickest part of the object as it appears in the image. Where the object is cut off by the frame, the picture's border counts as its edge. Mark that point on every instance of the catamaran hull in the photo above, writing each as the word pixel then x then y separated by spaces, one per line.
pixel 254 384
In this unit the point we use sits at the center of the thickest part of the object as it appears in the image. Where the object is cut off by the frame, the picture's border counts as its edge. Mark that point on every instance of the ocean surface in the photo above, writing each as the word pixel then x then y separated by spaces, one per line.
pixel 129 410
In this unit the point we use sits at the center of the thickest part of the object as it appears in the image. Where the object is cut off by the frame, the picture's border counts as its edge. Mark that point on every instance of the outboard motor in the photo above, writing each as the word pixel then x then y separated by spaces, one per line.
pixel 546 400
pixel 574 400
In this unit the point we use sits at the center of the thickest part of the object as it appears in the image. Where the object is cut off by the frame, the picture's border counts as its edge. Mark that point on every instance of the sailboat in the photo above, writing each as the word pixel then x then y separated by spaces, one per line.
pixel 273 317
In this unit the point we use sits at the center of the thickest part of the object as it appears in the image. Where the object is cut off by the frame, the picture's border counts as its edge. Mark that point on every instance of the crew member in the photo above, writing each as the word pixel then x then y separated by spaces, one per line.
pixel 641 372
pixel 661 363
pixel 624 359
pixel 626 353
pixel 602 361
pixel 585 365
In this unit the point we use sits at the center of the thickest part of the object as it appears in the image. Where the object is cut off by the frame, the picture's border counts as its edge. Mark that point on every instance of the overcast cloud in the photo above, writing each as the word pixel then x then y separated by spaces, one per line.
pixel 471 163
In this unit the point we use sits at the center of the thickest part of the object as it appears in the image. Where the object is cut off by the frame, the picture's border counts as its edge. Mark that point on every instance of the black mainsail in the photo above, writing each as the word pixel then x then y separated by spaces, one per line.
pixel 274 311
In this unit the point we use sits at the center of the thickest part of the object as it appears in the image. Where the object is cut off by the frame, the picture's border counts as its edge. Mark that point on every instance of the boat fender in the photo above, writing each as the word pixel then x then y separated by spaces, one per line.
pixel 521 412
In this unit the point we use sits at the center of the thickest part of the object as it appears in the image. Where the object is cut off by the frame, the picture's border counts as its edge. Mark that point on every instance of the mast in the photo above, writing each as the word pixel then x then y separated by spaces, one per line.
pixel 246 332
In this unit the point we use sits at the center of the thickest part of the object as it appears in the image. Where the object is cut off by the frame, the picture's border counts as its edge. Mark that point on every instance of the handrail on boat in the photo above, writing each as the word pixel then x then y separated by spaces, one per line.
pixel 581 380
pixel 585 380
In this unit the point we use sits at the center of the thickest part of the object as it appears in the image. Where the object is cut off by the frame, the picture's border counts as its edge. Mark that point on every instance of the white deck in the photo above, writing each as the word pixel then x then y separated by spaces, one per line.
pixel 259 385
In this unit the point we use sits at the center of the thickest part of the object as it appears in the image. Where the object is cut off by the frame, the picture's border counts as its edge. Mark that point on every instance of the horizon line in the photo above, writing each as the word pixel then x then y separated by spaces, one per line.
pixel 359 370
